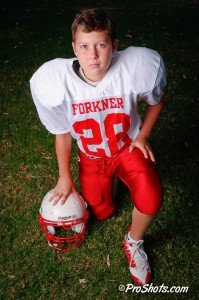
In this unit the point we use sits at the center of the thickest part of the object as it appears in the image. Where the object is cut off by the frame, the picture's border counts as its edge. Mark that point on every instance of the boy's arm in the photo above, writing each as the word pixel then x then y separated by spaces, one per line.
pixel 141 141
pixel 65 182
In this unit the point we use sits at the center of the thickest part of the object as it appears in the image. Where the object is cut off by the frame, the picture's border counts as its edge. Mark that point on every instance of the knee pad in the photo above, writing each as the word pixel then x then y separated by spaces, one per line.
pixel 147 192
pixel 104 210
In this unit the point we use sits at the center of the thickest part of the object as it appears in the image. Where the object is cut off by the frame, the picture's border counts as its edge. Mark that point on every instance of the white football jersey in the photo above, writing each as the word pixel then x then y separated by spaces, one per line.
pixel 101 118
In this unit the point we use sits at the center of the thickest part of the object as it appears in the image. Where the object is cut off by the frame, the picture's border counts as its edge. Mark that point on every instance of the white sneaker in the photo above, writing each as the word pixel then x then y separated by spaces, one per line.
pixel 138 261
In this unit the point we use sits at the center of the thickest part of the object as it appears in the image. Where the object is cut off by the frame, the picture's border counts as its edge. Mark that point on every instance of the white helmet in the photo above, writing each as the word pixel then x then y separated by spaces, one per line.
pixel 64 224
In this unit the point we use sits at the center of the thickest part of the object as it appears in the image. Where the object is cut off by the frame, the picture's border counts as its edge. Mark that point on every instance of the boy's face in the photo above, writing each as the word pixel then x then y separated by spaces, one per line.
pixel 94 52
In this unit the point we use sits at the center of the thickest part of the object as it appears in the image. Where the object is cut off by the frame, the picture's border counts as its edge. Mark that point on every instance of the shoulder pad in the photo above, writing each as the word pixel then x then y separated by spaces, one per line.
pixel 142 65
pixel 47 83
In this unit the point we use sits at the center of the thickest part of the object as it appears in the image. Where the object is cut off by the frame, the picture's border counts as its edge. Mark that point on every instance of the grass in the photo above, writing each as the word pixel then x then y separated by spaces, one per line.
pixel 33 32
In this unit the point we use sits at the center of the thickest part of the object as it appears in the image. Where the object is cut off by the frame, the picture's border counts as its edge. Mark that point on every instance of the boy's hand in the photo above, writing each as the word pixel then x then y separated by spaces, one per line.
pixel 61 190
pixel 142 143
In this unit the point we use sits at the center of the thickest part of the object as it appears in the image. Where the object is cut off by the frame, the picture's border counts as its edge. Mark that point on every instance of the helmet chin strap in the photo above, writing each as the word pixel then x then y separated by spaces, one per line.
pixel 51 230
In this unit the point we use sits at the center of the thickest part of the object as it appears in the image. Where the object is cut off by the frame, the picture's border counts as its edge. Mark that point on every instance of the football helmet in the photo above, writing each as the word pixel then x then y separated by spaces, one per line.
pixel 64 225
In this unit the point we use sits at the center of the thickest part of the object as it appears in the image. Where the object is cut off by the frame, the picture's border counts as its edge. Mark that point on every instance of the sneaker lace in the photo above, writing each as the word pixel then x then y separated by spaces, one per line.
pixel 138 255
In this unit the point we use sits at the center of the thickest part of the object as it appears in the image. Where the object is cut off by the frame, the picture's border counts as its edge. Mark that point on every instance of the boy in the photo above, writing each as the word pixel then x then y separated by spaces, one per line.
pixel 93 99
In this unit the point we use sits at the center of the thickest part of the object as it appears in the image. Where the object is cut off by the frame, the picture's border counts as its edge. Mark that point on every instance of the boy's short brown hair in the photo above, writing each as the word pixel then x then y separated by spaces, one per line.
pixel 93 19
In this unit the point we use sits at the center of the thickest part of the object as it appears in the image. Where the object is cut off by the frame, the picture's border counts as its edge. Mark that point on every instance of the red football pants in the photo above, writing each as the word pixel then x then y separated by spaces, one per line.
pixel 138 173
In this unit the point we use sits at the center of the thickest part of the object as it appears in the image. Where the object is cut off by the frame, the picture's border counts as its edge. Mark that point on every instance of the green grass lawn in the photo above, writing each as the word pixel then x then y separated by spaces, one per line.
pixel 33 32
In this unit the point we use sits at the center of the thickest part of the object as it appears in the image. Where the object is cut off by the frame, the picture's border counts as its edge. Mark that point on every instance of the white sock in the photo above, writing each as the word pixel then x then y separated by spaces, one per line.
pixel 130 240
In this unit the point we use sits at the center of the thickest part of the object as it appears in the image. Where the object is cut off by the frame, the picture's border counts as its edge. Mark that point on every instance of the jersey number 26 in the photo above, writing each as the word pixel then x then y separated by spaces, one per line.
pixel 115 127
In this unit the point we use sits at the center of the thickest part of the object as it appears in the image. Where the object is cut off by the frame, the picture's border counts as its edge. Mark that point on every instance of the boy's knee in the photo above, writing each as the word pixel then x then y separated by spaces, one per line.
pixel 147 192
pixel 103 210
